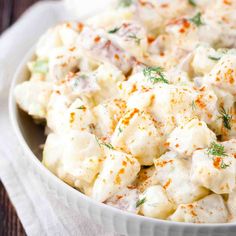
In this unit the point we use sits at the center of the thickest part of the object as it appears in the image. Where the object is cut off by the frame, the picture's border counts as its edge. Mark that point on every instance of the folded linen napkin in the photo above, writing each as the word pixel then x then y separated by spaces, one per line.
pixel 38 210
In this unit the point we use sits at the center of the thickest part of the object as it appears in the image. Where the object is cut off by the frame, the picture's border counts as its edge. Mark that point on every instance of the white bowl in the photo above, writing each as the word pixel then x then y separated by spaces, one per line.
pixel 31 135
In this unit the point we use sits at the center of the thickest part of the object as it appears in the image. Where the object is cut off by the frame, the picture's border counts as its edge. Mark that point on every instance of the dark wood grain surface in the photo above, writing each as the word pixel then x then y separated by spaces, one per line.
pixel 10 11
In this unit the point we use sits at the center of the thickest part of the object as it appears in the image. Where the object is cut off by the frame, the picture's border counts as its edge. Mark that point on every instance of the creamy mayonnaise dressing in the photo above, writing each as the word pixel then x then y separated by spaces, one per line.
pixel 139 106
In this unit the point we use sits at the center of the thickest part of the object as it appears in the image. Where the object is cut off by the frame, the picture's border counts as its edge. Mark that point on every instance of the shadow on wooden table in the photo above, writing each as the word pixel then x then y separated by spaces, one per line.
pixel 10 225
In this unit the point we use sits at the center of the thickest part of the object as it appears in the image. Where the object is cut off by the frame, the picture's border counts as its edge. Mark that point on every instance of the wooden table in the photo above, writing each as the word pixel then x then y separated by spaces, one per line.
pixel 10 225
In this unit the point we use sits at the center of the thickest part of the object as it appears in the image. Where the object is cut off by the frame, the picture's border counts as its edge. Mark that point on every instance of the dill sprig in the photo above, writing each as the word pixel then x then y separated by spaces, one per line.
pixel 140 202
pixel 82 107
pixel 226 118
pixel 108 145
pixel 214 58
pixel 193 105
pixel 125 3
pixel 197 19
pixel 155 74
pixel 216 149
pixel 192 2
pixel 135 38
pixel 223 165
pixel 120 130
pixel 114 30
pixel 100 143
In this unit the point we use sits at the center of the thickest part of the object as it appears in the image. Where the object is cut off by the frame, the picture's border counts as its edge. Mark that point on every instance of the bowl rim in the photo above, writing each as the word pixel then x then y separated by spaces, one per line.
pixel 62 187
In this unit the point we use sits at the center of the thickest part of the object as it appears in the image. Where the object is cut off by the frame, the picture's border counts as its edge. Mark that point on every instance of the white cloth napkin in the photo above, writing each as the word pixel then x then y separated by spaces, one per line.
pixel 38 210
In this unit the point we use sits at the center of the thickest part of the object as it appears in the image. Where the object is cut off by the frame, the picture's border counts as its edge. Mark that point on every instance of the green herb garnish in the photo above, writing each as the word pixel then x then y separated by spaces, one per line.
pixel 192 2
pixel 120 130
pixel 226 118
pixel 197 19
pixel 214 58
pixel 140 202
pixel 81 107
pixel 100 143
pixel 155 74
pixel 40 66
pixel 135 38
pixel 108 145
pixel 193 105
pixel 125 3
pixel 113 31
pixel 216 149
pixel 223 165
pixel 83 76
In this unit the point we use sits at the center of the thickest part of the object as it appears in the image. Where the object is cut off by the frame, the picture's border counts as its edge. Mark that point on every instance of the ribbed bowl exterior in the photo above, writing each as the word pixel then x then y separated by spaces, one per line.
pixel 126 223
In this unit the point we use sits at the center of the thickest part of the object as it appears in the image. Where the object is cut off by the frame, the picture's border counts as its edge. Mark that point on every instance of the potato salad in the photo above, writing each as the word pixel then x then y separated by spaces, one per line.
pixel 139 107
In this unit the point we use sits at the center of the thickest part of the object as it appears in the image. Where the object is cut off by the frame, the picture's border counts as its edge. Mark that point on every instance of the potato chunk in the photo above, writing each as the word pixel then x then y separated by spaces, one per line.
pixel 156 203
pixel 173 174
pixel 210 209
pixel 119 170
pixel 214 172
